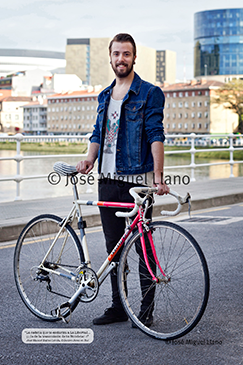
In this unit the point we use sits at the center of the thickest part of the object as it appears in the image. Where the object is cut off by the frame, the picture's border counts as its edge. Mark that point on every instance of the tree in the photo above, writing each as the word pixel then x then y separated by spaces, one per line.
pixel 230 95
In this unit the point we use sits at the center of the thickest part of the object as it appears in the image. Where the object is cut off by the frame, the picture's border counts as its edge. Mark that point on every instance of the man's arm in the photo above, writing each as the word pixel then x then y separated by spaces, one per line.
pixel 157 149
pixel 86 166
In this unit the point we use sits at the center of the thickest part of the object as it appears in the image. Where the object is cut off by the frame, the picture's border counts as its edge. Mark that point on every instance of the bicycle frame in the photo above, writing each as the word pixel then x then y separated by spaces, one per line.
pixel 137 210
pixel 108 264
pixel 53 273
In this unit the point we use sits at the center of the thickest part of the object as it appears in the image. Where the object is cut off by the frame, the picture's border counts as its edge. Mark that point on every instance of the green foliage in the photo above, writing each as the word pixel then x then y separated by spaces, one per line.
pixel 230 95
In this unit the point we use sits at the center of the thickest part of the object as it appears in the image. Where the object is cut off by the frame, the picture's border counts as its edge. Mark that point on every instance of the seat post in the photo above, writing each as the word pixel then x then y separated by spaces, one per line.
pixel 73 180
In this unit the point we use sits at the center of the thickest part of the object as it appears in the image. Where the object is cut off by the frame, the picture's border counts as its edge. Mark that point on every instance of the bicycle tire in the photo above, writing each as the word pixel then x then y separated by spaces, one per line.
pixel 177 305
pixel 34 285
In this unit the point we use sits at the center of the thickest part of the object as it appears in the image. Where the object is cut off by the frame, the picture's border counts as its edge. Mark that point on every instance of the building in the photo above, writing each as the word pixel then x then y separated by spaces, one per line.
pixel 61 83
pixel 15 60
pixel 218 45
pixel 11 113
pixel 35 117
pixel 190 108
pixel 165 66
pixel 72 113
pixel 23 83
pixel 88 58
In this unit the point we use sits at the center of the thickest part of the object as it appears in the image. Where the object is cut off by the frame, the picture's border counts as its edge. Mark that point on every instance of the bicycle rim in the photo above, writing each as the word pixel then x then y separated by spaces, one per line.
pixel 42 292
pixel 177 302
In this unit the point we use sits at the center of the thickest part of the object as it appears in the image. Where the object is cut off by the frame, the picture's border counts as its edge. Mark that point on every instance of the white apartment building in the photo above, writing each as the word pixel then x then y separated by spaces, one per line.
pixel 11 113
pixel 35 118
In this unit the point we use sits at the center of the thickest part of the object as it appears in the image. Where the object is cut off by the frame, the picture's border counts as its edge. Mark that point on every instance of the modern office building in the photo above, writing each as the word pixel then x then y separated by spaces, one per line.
pixel 190 108
pixel 165 66
pixel 218 44
pixel 88 58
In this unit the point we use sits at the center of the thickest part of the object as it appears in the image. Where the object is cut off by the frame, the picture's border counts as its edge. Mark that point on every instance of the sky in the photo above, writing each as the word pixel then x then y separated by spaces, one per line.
pixel 160 24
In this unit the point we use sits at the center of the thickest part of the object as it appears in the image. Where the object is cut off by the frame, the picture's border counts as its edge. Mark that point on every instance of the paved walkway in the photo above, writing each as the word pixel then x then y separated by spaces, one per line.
pixel 204 194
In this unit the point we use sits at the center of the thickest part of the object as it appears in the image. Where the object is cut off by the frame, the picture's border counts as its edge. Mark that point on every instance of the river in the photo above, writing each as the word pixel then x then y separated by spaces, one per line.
pixel 41 188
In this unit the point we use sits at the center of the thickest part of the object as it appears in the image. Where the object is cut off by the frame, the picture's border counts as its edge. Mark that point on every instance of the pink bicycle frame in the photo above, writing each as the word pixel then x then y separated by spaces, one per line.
pixel 138 221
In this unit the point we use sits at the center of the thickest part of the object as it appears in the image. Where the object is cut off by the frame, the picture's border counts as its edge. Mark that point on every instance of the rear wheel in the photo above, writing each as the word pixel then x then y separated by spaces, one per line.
pixel 44 288
pixel 175 303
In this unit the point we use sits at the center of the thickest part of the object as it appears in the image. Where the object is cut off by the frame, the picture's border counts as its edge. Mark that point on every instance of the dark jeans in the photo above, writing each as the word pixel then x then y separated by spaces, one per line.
pixel 113 227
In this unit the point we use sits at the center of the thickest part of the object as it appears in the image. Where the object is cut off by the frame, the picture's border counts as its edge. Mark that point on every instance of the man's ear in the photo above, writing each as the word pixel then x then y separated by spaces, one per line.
pixel 134 60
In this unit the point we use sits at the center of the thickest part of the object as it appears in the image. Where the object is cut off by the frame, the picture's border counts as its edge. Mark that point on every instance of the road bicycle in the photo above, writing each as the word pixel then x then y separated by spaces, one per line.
pixel 160 260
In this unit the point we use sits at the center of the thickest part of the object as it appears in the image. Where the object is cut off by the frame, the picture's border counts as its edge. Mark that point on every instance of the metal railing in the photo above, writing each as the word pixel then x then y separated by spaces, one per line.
pixel 230 143
pixel 18 138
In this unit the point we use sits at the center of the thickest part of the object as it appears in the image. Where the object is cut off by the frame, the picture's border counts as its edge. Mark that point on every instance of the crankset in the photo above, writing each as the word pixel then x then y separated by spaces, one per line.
pixel 87 277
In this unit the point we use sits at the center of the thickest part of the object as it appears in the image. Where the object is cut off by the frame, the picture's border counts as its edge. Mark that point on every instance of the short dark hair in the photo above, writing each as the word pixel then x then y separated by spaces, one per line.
pixel 123 37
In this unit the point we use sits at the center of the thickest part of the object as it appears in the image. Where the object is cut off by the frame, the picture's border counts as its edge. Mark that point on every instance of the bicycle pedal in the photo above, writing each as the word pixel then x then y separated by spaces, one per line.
pixel 57 311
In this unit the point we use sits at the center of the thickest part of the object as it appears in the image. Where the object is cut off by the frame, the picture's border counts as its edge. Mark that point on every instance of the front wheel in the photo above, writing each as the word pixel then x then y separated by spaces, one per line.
pixel 172 306
pixel 46 271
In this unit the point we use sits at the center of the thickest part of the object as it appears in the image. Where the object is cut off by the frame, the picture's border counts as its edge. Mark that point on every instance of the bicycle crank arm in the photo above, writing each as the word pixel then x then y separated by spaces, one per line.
pixel 58 313
pixel 81 289
pixel 69 304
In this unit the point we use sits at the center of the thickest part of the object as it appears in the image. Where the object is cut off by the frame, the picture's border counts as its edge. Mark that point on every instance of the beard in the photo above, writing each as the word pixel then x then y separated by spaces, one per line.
pixel 122 73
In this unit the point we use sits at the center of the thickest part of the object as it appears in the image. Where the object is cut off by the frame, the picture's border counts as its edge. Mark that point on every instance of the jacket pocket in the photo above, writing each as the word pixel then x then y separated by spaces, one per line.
pixel 134 112
pixel 133 132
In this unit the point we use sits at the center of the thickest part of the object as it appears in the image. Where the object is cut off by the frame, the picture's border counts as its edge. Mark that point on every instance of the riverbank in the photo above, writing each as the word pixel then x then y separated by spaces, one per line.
pixel 49 147
pixel 217 155
pixel 72 148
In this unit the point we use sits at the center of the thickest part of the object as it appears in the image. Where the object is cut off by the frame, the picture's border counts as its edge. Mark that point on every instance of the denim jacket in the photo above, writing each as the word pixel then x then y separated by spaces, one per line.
pixel 140 125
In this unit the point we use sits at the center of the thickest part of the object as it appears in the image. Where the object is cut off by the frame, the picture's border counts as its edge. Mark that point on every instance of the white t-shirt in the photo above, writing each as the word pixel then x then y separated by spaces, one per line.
pixel 108 166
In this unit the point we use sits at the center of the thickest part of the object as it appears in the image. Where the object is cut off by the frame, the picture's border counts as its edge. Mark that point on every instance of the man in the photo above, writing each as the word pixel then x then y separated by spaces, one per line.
pixel 128 142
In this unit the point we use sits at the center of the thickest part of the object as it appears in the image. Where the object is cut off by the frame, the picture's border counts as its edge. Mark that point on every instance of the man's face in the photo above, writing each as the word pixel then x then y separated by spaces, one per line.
pixel 122 58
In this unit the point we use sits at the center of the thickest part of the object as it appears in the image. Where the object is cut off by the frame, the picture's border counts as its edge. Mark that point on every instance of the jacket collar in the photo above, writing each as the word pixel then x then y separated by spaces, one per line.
pixel 135 86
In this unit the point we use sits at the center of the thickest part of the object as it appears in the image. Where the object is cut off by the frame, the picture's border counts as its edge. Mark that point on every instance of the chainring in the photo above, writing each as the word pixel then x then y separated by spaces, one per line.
pixel 85 274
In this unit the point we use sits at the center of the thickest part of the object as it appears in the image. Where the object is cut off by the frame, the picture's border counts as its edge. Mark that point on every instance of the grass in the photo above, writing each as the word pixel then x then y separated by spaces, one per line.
pixel 218 155
pixel 72 148
pixel 49 147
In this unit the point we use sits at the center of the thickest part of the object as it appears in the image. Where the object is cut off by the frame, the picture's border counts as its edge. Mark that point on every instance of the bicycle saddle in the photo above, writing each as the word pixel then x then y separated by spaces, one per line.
pixel 64 169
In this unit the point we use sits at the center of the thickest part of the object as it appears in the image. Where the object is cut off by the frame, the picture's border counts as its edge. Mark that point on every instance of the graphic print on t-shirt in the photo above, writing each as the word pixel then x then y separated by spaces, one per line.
pixel 112 126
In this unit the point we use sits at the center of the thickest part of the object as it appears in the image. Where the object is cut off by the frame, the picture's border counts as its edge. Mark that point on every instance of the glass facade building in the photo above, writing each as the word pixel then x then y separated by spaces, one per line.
pixel 218 42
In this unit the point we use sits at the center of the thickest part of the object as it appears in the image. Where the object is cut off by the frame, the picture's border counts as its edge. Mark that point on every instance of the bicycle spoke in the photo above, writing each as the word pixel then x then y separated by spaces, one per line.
pixel 176 301
pixel 42 290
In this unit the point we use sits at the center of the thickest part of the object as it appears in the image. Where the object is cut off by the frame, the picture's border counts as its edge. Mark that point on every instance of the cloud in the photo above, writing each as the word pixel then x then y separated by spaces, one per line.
pixel 160 24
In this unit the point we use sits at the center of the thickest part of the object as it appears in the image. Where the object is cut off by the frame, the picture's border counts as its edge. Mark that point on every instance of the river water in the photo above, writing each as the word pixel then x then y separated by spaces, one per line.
pixel 42 188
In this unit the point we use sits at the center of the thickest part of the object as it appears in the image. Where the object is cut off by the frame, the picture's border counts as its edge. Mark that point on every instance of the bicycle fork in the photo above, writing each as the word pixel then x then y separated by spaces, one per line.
pixel 141 227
